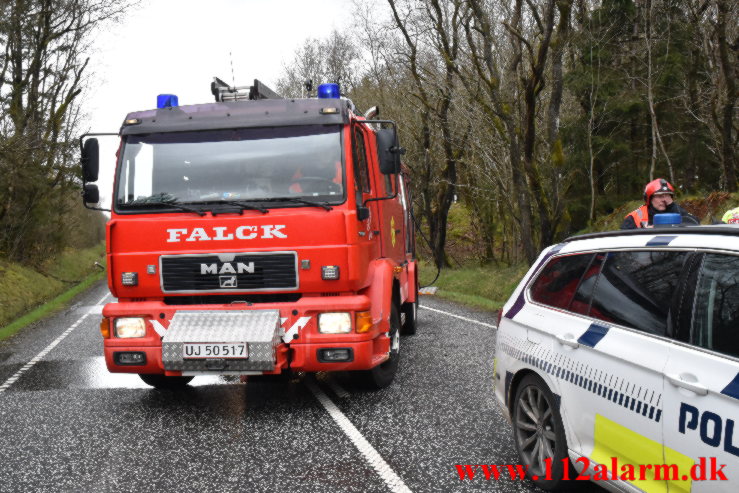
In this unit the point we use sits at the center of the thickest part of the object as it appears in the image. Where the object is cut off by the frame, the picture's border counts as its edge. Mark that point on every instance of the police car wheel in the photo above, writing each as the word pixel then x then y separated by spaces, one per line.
pixel 383 374
pixel 539 434
pixel 165 383
pixel 409 311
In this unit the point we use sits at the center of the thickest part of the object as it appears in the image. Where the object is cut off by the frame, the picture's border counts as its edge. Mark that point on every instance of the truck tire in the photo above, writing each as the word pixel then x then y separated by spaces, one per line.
pixel 410 311
pixel 163 382
pixel 383 374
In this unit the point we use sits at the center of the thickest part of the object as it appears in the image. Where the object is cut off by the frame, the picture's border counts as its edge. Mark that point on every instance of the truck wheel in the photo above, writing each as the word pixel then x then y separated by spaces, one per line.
pixel 539 434
pixel 409 311
pixel 383 374
pixel 163 382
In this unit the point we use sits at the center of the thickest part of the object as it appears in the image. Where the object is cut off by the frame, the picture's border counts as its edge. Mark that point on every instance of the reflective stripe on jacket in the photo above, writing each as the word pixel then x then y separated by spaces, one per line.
pixel 640 216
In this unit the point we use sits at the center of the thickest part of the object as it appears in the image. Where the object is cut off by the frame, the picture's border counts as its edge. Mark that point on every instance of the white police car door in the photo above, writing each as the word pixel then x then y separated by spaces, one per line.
pixel 701 398
pixel 612 391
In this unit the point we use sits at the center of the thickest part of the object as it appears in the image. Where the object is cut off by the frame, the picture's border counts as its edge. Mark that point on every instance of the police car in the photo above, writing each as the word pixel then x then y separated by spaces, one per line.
pixel 618 354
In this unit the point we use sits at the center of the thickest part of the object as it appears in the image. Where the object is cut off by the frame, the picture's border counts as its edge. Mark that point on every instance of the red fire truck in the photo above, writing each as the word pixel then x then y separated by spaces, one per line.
pixel 256 235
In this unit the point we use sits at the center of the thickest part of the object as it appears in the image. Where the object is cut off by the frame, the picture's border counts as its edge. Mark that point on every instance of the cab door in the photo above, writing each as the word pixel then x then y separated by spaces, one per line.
pixel 701 401
pixel 363 191
pixel 391 211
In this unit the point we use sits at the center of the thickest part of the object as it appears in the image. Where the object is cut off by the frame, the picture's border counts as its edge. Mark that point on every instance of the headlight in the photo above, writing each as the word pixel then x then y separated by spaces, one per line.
pixel 334 323
pixel 130 327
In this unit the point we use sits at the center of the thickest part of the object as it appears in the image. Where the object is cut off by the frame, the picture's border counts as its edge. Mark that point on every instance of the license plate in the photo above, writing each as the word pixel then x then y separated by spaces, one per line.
pixel 229 350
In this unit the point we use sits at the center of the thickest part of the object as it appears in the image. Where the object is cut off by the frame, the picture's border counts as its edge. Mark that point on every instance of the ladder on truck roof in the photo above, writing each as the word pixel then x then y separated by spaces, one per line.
pixel 224 92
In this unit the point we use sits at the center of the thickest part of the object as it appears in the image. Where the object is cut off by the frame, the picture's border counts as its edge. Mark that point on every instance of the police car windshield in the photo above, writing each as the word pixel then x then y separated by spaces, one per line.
pixel 301 162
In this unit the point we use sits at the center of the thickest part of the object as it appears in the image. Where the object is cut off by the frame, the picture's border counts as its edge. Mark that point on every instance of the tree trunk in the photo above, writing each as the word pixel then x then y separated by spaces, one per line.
pixel 728 110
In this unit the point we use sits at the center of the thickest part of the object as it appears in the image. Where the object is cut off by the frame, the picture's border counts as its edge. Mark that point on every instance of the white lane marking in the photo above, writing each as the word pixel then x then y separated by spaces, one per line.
pixel 458 316
pixel 375 460
pixel 95 310
pixel 10 381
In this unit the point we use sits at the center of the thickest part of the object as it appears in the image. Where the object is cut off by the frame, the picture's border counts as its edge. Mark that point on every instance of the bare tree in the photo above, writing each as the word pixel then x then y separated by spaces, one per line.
pixel 333 59
pixel 727 39
pixel 42 69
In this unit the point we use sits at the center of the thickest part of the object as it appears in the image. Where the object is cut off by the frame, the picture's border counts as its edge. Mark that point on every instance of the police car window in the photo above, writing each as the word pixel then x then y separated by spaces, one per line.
pixel 558 281
pixel 716 311
pixel 580 302
pixel 635 289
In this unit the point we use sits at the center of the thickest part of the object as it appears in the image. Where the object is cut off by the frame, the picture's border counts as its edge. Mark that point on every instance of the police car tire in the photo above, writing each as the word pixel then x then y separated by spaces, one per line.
pixel 556 483
pixel 410 311
pixel 163 382
pixel 383 374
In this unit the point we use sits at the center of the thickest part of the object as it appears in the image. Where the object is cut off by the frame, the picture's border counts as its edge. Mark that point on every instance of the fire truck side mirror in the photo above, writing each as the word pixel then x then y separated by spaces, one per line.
pixel 90 160
pixel 388 151
pixel 363 213
pixel 90 194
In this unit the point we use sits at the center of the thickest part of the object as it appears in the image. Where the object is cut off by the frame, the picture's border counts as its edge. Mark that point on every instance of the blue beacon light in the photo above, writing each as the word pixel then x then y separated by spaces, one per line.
pixel 167 101
pixel 666 220
pixel 328 91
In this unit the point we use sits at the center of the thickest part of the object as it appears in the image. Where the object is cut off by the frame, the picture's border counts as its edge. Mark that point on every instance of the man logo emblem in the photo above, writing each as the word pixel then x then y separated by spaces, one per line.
pixel 227 281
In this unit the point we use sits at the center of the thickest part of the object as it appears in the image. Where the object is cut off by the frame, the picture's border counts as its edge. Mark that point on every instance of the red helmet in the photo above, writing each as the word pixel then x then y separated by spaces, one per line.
pixel 660 185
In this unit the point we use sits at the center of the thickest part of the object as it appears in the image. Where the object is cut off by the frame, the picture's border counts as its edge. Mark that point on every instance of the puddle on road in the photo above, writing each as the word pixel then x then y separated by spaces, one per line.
pixel 91 373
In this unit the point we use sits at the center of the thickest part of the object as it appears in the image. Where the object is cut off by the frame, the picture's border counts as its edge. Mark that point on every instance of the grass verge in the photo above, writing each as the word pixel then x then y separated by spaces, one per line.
pixel 35 292
pixel 50 307
pixel 487 287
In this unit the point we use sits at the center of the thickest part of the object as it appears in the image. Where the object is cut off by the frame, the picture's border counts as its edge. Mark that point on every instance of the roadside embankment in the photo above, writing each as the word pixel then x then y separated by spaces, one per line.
pixel 487 287
pixel 27 294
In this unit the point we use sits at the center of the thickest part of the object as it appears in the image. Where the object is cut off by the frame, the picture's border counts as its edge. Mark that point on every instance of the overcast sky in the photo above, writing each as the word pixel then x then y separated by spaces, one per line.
pixel 178 46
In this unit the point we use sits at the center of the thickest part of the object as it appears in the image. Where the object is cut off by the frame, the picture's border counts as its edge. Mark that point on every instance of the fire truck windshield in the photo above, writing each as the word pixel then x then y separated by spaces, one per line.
pixel 301 162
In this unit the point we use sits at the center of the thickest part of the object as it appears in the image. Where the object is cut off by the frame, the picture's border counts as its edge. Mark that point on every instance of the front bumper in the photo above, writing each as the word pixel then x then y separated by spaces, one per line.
pixel 299 346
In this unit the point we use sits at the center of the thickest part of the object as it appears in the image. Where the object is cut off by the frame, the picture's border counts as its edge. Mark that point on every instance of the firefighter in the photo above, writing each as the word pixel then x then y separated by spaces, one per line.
pixel 658 199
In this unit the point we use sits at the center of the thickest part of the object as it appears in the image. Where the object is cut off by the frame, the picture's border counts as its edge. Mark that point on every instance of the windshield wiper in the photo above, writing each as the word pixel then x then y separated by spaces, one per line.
pixel 244 204
pixel 322 205
pixel 139 203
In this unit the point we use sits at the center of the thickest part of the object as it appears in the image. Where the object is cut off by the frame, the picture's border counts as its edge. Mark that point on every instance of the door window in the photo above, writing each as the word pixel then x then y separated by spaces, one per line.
pixel 636 289
pixel 361 174
pixel 716 311
pixel 581 300
pixel 558 281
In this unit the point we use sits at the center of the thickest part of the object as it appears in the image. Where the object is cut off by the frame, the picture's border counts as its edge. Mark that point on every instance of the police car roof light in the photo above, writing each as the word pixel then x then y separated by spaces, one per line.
pixel 329 91
pixel 167 101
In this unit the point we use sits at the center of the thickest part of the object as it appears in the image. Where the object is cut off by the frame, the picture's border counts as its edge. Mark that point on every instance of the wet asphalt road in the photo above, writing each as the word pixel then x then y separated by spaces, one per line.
pixel 66 424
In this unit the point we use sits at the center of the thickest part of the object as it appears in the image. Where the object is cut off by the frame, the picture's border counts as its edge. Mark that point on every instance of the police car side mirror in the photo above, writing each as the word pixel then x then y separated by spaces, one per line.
pixel 389 151
pixel 90 160
pixel 90 194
